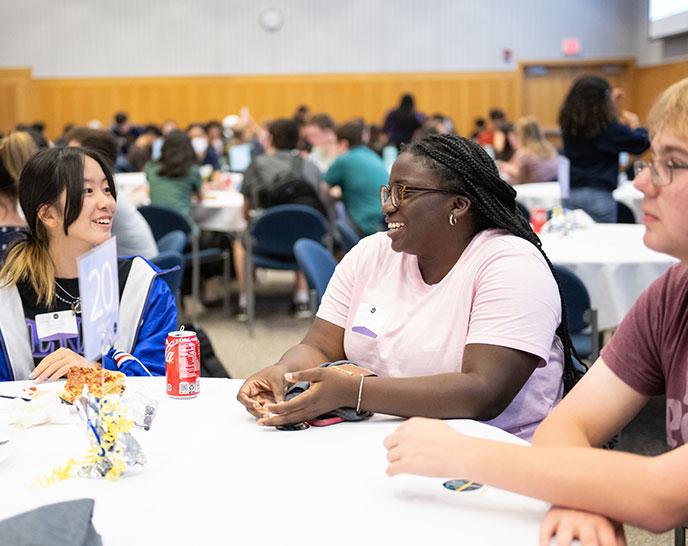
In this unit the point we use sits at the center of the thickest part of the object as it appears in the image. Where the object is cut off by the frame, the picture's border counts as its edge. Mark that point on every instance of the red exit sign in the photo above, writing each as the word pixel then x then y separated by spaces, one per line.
pixel 571 46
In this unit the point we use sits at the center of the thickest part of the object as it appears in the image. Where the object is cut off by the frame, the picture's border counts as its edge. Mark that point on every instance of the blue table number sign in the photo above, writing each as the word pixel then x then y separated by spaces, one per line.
pixel 99 292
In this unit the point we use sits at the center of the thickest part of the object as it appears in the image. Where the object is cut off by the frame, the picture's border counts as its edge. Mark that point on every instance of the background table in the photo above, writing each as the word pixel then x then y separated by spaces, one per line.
pixel 539 194
pixel 613 263
pixel 548 195
pixel 221 210
pixel 214 477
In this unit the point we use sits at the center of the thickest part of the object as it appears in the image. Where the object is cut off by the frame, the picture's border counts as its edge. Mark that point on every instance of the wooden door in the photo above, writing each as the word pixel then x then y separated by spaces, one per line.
pixel 545 85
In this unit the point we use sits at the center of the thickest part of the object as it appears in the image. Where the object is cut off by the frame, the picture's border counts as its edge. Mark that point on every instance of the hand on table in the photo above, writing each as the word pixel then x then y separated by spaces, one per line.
pixel 566 525
pixel 57 364
pixel 330 389
pixel 427 447
pixel 264 387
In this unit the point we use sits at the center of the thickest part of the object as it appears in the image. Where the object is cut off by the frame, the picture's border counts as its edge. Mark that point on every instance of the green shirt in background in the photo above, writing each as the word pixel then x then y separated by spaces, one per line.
pixel 360 172
pixel 174 193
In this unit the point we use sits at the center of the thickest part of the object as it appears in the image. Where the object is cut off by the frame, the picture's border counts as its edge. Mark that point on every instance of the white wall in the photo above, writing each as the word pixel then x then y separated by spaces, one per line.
pixel 650 52
pixel 72 38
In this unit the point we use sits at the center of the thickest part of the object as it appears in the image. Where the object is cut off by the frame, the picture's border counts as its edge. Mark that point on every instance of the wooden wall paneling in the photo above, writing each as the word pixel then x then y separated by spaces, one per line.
pixel 650 81
pixel 15 89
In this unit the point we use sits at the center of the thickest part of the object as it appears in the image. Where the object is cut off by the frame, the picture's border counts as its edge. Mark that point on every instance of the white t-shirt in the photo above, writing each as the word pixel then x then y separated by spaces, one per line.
pixel 500 292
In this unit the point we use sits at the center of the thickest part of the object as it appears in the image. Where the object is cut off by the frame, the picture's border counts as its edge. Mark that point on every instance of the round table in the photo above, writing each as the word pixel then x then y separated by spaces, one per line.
pixel 613 263
pixel 214 477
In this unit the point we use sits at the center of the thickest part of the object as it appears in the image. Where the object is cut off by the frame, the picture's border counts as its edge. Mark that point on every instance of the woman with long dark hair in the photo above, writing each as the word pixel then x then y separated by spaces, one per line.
pixel 593 137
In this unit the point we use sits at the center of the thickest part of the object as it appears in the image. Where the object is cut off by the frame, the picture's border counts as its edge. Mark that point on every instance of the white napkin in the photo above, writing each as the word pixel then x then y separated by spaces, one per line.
pixel 47 408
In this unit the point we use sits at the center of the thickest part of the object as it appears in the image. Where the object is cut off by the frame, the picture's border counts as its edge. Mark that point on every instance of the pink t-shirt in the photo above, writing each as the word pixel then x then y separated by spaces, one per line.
pixel 500 292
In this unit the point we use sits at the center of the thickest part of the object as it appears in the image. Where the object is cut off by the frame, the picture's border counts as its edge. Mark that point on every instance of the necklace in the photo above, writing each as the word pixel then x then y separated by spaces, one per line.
pixel 75 304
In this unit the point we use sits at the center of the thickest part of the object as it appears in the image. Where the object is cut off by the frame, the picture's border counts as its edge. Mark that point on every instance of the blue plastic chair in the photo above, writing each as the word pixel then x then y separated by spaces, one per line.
pixel 347 235
pixel 317 265
pixel 269 242
pixel 174 240
pixel 581 318
pixel 162 221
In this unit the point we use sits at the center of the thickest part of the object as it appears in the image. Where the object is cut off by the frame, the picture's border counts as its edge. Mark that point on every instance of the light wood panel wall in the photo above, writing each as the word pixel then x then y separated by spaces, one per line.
pixel 650 81
pixel 15 87
pixel 460 95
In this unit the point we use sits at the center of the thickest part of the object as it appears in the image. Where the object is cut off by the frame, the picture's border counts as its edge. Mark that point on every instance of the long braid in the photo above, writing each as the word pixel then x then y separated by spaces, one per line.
pixel 468 169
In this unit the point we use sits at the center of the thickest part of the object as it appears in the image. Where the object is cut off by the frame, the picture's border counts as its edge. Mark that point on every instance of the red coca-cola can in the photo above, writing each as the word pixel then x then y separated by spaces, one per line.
pixel 183 364
pixel 538 218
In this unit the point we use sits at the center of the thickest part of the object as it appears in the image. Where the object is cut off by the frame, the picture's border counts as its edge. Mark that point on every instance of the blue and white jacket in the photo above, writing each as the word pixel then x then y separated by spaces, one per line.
pixel 147 312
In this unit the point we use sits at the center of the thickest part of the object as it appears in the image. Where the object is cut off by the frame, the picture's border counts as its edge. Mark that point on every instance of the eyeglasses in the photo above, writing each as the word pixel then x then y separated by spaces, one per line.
pixel 661 172
pixel 397 193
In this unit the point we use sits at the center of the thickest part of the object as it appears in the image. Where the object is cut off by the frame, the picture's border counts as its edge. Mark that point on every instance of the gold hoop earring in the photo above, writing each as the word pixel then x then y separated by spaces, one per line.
pixel 452 220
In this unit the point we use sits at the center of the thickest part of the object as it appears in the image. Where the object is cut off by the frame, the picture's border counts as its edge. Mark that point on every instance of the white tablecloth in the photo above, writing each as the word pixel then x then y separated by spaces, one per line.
pixel 221 210
pixel 612 262
pixel 548 195
pixel 214 477
pixel 538 194
pixel 627 194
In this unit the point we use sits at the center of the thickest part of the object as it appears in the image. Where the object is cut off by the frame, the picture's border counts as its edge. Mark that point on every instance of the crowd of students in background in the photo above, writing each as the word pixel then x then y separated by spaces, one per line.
pixel 344 162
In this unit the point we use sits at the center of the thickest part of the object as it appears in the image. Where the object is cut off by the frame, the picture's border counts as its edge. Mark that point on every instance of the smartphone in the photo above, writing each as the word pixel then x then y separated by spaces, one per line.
pixel 293 426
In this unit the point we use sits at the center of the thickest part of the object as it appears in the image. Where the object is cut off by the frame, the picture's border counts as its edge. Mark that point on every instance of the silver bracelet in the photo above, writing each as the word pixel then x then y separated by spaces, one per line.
pixel 360 392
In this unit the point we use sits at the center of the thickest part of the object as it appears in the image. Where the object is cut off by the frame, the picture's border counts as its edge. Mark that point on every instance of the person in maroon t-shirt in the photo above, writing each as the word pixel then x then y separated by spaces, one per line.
pixel 594 490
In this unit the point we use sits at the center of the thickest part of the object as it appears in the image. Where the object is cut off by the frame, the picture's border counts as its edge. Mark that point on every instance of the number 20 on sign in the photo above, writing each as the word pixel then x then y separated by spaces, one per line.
pixel 99 292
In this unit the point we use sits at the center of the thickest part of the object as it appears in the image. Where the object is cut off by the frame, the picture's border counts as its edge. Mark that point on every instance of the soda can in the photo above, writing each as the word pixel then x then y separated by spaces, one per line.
pixel 538 218
pixel 183 364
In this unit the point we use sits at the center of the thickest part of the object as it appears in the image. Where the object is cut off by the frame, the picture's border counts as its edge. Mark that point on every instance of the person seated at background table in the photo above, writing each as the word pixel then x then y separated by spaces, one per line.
pixel 594 134
pixel 455 307
pixel 318 132
pixel 68 198
pixel 281 159
pixel 502 135
pixel 645 357
pixel 134 235
pixel 358 173
pixel 175 179
pixel 535 159
pixel 15 150
pixel 205 154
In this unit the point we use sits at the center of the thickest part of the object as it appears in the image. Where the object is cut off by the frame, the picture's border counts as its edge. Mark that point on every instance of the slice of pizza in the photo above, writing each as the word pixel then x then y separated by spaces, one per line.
pixel 99 381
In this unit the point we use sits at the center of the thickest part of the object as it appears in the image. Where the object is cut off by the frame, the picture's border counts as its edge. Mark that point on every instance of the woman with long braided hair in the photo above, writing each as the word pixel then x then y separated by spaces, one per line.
pixel 454 308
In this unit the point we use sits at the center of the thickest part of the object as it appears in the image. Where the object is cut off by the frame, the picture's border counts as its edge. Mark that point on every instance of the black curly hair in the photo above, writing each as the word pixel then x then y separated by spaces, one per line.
pixel 588 108
pixel 466 169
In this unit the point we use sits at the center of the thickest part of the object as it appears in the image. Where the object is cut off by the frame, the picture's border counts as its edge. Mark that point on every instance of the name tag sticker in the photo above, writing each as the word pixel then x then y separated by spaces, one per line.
pixel 369 320
pixel 58 325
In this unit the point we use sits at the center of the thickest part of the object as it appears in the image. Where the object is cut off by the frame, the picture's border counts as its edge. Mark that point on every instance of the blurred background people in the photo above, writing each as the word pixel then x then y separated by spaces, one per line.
pixel 319 133
pixel 593 136
pixel 402 122
pixel 535 159
pixel 358 173
pixel 501 135
pixel 15 151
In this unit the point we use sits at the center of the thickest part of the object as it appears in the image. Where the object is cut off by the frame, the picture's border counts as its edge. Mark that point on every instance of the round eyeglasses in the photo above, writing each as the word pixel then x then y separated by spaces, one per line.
pixel 398 192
